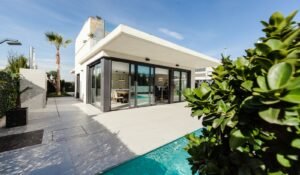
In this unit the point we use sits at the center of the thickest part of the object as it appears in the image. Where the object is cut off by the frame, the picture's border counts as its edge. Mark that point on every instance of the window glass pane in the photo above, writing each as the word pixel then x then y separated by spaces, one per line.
pixel 176 86
pixel 161 85
pixel 143 85
pixel 183 83
pixel 119 85
pixel 98 83
pixel 132 85
pixel 151 92
pixel 95 85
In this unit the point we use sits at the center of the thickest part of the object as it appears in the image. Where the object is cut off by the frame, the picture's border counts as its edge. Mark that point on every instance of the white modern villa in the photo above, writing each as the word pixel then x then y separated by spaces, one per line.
pixel 128 68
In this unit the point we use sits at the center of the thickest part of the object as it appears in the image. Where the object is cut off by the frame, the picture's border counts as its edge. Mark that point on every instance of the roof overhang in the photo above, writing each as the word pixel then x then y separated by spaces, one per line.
pixel 129 41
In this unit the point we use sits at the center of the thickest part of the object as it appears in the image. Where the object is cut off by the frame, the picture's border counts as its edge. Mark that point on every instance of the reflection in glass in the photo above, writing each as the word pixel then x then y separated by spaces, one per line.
pixel 184 82
pixel 143 85
pixel 161 85
pixel 132 85
pixel 151 90
pixel 176 86
pixel 95 84
pixel 119 85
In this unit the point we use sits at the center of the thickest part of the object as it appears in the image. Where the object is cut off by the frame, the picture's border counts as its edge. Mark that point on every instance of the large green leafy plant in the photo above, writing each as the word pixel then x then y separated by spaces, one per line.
pixel 251 111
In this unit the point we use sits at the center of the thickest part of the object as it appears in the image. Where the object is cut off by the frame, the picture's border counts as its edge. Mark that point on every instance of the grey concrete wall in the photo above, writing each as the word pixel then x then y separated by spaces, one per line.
pixel 105 84
pixel 35 96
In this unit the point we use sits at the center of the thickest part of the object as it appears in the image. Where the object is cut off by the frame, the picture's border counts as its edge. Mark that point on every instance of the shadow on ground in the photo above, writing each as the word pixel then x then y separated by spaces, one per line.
pixel 73 143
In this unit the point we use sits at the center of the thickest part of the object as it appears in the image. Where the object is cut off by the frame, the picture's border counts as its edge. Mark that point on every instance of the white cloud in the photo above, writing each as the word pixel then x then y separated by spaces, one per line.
pixel 172 34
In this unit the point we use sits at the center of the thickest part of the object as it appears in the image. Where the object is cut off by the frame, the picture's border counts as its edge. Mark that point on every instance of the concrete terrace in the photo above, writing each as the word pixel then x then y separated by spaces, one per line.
pixel 79 139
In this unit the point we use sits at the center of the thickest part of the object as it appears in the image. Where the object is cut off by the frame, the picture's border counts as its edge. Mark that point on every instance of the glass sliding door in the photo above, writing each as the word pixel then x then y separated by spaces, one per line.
pixel 120 85
pixel 78 86
pixel 143 84
pixel 136 84
pixel 98 84
pixel 176 86
pixel 161 87
pixel 92 85
pixel 151 90
pixel 132 96
pixel 95 84
pixel 184 84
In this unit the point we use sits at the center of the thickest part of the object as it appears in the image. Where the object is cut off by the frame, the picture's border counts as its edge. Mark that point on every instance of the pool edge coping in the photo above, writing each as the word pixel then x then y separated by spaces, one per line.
pixel 137 156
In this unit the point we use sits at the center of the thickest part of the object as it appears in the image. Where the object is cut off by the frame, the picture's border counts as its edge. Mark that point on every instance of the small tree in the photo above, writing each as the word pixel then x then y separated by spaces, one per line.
pixel 251 111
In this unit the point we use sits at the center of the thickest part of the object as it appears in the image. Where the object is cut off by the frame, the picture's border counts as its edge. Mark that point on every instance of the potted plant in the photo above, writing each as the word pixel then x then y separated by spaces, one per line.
pixel 15 114
pixel 7 95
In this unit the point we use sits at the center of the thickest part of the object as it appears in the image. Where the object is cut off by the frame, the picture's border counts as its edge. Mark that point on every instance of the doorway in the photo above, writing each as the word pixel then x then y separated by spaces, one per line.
pixel 95 84
pixel 77 85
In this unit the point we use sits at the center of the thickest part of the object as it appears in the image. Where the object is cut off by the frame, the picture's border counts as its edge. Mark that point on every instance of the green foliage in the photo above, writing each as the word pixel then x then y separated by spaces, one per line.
pixel 251 111
pixel 57 40
pixel 11 79
pixel 52 74
pixel 15 62
pixel 8 95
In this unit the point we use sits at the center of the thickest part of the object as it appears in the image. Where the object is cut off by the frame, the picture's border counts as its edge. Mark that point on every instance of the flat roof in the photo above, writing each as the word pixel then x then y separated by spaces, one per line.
pixel 130 41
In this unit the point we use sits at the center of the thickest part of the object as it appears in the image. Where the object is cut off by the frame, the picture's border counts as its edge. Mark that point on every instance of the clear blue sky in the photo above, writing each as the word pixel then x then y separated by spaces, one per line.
pixel 207 26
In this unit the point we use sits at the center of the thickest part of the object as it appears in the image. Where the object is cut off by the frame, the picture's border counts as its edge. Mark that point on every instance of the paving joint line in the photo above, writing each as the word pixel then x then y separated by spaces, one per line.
pixel 56 108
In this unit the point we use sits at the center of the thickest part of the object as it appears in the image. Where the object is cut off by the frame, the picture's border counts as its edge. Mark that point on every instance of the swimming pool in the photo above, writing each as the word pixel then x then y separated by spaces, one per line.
pixel 170 159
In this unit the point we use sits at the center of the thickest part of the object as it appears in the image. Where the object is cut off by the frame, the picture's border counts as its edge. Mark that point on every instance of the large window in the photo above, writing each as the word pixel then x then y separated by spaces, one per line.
pixel 95 84
pixel 180 83
pixel 136 84
pixel 119 85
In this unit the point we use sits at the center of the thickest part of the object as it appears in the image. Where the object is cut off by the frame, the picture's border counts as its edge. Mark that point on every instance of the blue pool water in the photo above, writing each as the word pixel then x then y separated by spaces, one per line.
pixel 170 159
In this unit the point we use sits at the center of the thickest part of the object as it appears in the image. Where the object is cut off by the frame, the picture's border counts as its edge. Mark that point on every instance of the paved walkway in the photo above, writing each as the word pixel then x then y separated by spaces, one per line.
pixel 79 139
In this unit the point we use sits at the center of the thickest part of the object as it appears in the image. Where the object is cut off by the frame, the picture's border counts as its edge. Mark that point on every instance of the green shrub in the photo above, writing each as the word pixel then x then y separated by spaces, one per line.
pixel 8 95
pixel 251 111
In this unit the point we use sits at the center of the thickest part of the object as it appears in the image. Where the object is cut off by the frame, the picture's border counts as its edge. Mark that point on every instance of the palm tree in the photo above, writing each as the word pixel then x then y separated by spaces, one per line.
pixel 57 40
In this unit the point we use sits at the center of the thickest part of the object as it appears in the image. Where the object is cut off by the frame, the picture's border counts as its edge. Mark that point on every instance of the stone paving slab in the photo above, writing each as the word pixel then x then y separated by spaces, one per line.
pixel 80 139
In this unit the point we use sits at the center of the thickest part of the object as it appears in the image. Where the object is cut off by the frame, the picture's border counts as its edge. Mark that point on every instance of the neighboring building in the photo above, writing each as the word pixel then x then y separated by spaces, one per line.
pixel 129 68
pixel 203 75
pixel 31 59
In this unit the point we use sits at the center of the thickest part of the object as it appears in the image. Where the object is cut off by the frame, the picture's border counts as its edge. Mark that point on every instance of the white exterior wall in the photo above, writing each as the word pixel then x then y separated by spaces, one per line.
pixel 83 42
pixel 83 45
pixel 36 80
pixel 204 75
pixel 82 70
pixel 142 59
